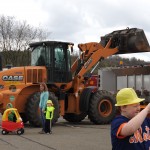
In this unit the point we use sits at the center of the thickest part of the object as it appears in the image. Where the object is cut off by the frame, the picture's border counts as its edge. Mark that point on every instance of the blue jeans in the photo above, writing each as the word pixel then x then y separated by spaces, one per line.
pixel 42 119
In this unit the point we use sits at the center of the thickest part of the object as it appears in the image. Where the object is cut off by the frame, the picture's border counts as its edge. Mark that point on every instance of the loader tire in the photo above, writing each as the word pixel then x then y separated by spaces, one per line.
pixel 32 109
pixel 102 107
pixel 24 117
pixel 75 117
pixel 56 106
pixel 33 112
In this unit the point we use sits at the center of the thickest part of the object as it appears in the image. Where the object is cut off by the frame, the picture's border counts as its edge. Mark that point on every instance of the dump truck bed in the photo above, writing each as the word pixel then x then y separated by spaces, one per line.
pixel 114 79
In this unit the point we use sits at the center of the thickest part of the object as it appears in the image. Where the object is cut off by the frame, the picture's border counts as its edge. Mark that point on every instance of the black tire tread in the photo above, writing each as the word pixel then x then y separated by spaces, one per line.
pixel 75 118
pixel 32 108
pixel 93 113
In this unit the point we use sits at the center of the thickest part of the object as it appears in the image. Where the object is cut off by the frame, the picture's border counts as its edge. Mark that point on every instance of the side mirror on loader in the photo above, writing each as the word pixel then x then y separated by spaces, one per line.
pixel 128 41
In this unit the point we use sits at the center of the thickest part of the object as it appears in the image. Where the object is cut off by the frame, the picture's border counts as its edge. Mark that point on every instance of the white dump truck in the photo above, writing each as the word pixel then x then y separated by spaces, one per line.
pixel 116 78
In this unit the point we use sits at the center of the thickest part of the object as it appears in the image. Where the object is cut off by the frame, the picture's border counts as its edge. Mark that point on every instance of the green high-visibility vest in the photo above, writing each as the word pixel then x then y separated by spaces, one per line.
pixel 49 112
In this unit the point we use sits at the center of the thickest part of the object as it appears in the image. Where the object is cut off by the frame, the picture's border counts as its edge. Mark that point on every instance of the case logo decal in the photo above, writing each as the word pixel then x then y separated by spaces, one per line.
pixel 12 78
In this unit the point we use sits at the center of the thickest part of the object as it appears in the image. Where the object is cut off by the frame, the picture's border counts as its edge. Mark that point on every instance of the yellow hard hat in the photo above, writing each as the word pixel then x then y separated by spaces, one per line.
pixel 49 102
pixel 127 96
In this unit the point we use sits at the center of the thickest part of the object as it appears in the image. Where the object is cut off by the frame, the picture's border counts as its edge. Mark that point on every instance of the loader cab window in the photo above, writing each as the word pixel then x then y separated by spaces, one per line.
pixel 55 56
pixel 62 59
pixel 69 59
pixel 40 56
pixel 59 59
pixel 62 63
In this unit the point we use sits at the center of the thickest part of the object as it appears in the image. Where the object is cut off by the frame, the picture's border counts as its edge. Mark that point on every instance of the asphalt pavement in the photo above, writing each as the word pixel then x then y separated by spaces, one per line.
pixel 65 136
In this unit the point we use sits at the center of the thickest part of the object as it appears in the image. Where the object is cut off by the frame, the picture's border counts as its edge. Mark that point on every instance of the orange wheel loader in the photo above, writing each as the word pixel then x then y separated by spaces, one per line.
pixel 51 63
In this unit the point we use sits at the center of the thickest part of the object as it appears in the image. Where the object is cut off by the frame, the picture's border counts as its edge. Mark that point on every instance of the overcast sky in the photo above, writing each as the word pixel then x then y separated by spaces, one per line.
pixel 81 21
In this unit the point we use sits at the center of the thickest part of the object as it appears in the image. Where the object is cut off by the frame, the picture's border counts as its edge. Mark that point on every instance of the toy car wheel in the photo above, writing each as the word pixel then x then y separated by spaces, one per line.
pixel 4 132
pixel 20 131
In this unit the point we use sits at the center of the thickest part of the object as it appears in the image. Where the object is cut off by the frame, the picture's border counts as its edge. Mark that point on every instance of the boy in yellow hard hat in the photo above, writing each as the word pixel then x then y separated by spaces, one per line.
pixel 49 116
pixel 130 130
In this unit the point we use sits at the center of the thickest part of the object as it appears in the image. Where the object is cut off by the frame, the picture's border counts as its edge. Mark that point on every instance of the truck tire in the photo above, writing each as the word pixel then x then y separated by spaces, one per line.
pixel 102 107
pixel 32 109
pixel 75 117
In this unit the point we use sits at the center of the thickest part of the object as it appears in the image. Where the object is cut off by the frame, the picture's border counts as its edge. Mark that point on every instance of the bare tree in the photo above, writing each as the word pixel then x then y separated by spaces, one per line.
pixel 15 36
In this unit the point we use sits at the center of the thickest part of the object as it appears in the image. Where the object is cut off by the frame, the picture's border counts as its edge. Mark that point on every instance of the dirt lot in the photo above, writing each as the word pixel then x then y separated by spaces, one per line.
pixel 65 136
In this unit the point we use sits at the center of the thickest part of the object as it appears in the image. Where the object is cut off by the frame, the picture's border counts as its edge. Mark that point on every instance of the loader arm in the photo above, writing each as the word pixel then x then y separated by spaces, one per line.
pixel 118 42
pixel 92 51
pixel 96 53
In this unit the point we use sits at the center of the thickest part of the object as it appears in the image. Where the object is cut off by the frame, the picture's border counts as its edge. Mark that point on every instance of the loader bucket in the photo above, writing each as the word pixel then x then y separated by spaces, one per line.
pixel 128 41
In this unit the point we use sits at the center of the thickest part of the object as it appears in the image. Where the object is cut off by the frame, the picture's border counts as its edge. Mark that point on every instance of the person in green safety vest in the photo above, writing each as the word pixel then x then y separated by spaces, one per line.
pixel 49 113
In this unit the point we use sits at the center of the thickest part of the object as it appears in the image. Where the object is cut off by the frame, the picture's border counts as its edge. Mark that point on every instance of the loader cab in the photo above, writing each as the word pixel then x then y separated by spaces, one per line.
pixel 55 56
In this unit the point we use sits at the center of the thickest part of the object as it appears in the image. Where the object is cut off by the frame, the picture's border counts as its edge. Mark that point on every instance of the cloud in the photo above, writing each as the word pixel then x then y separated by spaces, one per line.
pixel 72 17
pixel 81 21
